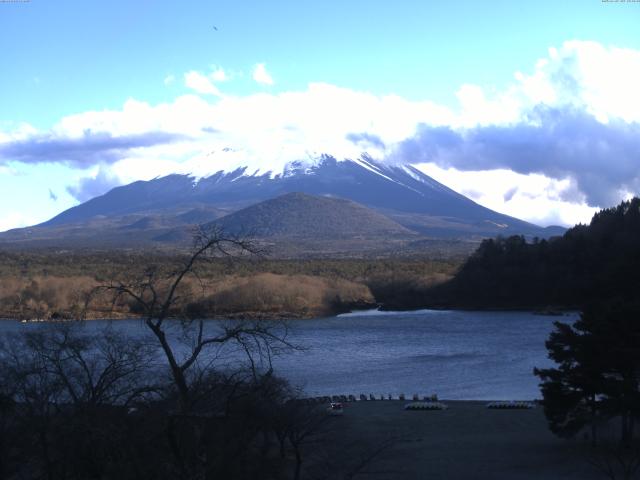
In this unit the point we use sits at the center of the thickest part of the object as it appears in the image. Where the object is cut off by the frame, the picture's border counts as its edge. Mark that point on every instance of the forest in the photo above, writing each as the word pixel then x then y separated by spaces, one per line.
pixel 588 264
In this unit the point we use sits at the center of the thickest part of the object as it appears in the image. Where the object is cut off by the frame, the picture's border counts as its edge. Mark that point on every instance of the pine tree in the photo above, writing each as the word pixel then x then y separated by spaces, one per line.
pixel 598 372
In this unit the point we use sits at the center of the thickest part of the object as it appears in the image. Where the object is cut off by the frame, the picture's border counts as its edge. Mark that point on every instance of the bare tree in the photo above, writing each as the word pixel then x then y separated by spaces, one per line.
pixel 100 369
pixel 70 390
pixel 157 295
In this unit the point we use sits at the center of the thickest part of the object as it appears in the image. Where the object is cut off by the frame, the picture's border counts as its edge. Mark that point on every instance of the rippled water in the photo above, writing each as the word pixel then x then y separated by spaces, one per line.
pixel 455 354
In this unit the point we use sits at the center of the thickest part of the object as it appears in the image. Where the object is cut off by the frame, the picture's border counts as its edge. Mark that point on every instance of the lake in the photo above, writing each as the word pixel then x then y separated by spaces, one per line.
pixel 458 355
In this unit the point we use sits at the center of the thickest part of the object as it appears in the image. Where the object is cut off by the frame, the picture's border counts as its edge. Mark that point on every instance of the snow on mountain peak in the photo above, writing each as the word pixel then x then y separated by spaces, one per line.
pixel 280 163
pixel 228 160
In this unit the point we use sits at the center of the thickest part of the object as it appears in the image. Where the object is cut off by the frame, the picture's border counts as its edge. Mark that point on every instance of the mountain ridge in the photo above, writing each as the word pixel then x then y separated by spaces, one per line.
pixel 400 193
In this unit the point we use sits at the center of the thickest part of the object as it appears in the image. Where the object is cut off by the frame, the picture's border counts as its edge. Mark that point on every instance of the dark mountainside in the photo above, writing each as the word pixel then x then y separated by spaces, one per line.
pixel 302 215
pixel 397 188
pixel 160 211
pixel 298 224
pixel 600 261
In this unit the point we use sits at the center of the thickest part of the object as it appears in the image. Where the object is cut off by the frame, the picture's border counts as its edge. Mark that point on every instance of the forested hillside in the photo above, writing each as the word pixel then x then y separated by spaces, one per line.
pixel 589 262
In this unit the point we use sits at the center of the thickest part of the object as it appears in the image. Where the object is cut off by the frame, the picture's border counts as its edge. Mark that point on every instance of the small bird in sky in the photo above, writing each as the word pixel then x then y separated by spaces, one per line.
pixel 215 28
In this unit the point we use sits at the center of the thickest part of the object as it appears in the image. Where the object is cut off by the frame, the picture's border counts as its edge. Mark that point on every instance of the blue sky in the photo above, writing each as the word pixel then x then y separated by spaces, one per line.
pixel 450 63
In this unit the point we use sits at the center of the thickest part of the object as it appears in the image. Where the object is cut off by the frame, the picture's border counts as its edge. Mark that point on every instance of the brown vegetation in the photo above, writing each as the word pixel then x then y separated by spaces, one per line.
pixel 59 284
pixel 41 297
pixel 297 295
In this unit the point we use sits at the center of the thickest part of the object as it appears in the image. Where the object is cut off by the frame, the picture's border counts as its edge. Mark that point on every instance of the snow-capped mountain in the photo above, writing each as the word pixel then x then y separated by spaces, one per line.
pixel 400 192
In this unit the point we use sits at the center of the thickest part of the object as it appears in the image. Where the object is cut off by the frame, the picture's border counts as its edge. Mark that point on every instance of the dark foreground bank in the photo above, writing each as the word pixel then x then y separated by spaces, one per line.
pixel 466 441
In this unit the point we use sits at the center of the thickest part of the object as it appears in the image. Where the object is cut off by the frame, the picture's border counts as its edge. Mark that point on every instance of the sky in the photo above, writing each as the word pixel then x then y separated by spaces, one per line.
pixel 529 108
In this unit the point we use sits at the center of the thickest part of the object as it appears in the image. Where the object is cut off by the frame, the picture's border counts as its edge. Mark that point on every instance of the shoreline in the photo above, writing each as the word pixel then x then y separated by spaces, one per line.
pixel 284 315
pixel 535 402
pixel 230 316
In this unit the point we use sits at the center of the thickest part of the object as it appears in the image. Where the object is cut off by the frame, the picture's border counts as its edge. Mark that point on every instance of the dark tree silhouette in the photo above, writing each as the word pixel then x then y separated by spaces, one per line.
pixel 571 391
pixel 67 393
pixel 157 294
pixel 598 261
pixel 598 373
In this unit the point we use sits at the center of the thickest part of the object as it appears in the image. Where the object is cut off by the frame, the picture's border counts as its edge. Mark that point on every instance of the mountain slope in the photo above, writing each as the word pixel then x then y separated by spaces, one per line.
pixel 397 208
pixel 401 192
pixel 308 216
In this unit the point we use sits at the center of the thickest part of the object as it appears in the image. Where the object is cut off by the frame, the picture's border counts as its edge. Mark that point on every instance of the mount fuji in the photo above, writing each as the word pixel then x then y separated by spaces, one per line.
pixel 156 211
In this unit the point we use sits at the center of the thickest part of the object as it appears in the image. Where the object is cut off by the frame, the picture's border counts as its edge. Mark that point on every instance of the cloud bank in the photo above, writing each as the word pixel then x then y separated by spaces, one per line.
pixel 602 158
pixel 83 151
pixel 563 137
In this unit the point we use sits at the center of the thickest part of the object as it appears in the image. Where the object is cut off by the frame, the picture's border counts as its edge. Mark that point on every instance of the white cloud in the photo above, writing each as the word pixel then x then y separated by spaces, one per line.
pixel 200 83
pixel 6 170
pixel 260 75
pixel 266 130
pixel 581 74
pixel 21 131
pixel 15 219
pixel 534 198
pixel 219 75
pixel 479 109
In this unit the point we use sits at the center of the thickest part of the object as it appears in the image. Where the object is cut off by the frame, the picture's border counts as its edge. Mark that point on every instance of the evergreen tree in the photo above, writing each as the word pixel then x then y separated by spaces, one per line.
pixel 571 391
pixel 598 261
pixel 598 372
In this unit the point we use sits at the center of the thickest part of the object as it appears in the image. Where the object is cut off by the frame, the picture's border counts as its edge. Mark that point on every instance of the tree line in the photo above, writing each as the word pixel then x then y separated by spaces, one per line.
pixel 596 261
pixel 595 384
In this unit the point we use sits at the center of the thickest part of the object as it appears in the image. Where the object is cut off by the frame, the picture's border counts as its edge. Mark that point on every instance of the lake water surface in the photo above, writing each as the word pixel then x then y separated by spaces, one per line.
pixel 455 354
